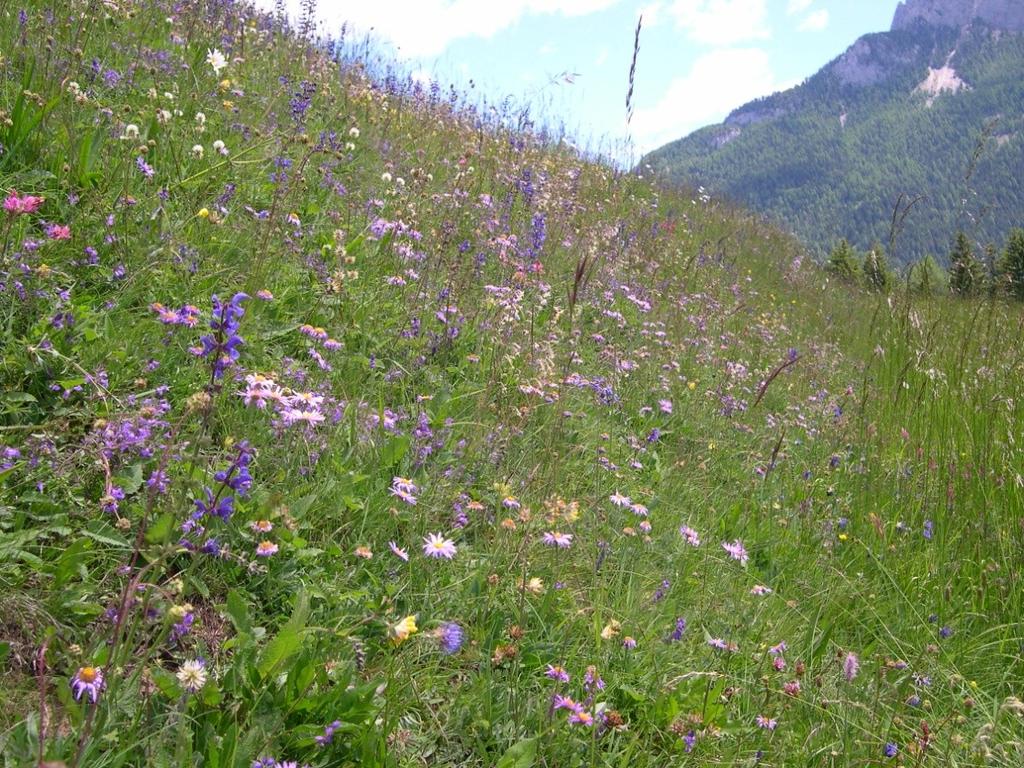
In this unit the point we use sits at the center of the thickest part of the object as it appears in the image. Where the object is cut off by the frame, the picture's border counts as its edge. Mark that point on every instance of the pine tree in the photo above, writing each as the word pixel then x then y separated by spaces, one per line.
pixel 965 271
pixel 842 262
pixel 927 277
pixel 876 271
pixel 1013 262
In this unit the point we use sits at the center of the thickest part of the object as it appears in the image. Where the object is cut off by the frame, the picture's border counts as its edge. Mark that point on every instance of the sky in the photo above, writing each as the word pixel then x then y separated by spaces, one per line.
pixel 570 59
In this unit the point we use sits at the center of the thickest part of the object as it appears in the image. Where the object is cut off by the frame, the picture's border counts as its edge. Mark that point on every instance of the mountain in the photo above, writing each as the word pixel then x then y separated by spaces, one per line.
pixel 933 107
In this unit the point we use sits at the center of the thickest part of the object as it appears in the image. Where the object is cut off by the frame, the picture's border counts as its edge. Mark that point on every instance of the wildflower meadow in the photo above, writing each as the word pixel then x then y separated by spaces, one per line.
pixel 348 421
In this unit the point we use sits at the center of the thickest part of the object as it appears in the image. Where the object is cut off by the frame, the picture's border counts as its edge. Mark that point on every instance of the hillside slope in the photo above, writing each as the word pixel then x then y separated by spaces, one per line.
pixel 929 108
pixel 341 425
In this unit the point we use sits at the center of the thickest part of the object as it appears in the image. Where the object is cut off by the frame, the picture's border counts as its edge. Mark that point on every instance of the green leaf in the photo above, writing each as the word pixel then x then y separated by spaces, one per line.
pixel 130 479
pixel 520 755
pixel 105 534
pixel 161 530
pixel 285 644
pixel 238 612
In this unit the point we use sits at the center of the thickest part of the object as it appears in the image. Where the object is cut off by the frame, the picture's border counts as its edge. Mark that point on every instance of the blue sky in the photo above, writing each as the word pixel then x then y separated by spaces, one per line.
pixel 699 59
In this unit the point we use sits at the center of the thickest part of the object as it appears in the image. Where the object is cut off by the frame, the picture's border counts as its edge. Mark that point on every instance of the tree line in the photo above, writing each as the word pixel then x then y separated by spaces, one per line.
pixel 972 271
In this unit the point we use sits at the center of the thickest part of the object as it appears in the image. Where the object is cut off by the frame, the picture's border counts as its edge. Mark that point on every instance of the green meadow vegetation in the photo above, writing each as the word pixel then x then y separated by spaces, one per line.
pixel 344 422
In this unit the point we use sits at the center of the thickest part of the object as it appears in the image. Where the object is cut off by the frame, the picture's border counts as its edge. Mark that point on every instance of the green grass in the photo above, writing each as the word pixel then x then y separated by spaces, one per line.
pixel 898 410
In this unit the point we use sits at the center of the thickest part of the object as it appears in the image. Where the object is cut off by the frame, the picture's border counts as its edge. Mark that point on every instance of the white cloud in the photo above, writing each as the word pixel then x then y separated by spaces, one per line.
pixel 815 22
pixel 798 6
pixel 651 14
pixel 722 22
pixel 717 83
pixel 425 28
pixel 602 57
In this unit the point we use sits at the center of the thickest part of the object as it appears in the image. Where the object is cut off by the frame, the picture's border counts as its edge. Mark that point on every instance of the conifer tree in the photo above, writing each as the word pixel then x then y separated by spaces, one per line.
pixel 927 277
pixel 842 262
pixel 1013 263
pixel 876 271
pixel 965 271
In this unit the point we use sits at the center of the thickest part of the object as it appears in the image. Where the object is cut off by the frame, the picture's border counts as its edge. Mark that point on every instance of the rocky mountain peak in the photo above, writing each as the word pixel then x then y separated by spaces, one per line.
pixel 1001 14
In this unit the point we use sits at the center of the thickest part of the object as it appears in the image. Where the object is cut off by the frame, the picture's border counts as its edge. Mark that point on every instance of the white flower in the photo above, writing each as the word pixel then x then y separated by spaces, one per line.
pixel 219 147
pixel 197 151
pixel 192 675
pixel 385 177
pixel 349 146
pixel 216 60
pixel 131 132
pixel 200 118
pixel 353 132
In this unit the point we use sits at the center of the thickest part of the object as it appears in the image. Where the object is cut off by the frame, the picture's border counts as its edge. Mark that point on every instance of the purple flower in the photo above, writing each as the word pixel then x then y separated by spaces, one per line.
pixel 890 750
pixel 851 666
pixel 221 346
pixel 736 551
pixel 89 681
pixel 450 636
pixel 557 673
pixel 144 168
pixel 677 633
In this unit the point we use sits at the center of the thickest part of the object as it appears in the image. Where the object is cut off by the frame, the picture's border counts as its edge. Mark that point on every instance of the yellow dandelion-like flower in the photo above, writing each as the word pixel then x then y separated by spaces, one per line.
pixel 403 630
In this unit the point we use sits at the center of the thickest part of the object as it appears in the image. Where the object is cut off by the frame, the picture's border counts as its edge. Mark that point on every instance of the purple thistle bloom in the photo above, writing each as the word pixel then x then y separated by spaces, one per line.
pixel 144 168
pixel 450 636
pixel 690 741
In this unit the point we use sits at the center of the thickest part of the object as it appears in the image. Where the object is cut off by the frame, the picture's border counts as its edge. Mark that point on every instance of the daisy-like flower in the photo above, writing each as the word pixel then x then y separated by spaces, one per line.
pixel 264 294
pixel 689 535
pixel 262 526
pixel 266 549
pixel 555 672
pixel 435 545
pixel 629 642
pixel 619 500
pixel 768 723
pixel 398 552
pixel 192 675
pixel 89 681
pixel 557 539
pixel 403 630
pixel 638 509
pixel 736 551
pixel 405 489
pixel 294 416
pixel 665 406
pixel 216 60
pixel 721 645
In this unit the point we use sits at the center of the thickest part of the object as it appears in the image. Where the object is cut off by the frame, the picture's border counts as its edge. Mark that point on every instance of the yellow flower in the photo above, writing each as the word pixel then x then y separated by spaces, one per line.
pixel 204 213
pixel 612 628
pixel 403 630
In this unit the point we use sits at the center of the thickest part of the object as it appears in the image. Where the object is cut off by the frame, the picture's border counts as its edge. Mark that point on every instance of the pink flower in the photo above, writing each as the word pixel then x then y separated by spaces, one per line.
pixel 619 500
pixel 266 549
pixel 17 205
pixel 768 723
pixel 58 232
pixel 87 680
pixel 736 551
pixel 557 539
pixel 851 666
pixel 398 551
pixel 436 546
pixel 691 536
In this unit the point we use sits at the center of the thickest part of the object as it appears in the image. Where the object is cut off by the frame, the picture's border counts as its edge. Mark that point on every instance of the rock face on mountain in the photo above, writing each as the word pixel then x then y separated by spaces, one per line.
pixel 1001 14
pixel 933 107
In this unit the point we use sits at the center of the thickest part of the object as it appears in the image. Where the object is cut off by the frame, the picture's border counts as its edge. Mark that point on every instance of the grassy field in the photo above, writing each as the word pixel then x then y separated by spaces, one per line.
pixel 345 423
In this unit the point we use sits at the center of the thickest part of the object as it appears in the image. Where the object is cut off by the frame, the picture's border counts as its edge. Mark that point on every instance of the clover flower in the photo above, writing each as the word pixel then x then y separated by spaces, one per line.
pixel 192 675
